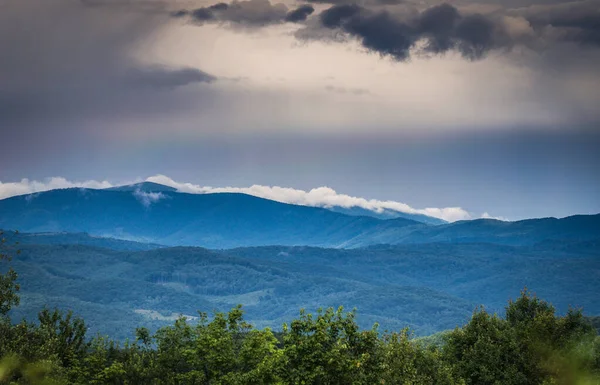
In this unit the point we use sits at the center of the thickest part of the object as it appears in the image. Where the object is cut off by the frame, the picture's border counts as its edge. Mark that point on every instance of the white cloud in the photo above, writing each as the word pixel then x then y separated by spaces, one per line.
pixel 26 186
pixel 486 215
pixel 147 198
pixel 317 197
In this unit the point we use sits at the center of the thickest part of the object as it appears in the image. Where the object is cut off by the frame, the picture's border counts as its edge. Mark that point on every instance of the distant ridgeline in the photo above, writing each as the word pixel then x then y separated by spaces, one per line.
pixel 152 213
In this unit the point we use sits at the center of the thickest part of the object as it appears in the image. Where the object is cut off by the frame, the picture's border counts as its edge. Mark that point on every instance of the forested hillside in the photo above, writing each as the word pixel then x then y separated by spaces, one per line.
pixel 529 345
pixel 154 315
pixel 429 288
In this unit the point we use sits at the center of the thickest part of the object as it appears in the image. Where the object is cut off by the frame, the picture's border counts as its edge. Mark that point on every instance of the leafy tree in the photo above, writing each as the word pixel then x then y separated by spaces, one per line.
pixel 407 362
pixel 330 349
pixel 8 286
pixel 521 349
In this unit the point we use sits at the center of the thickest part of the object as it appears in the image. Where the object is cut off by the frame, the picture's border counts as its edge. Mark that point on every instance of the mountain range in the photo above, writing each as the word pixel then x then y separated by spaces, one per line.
pixel 131 256
pixel 153 213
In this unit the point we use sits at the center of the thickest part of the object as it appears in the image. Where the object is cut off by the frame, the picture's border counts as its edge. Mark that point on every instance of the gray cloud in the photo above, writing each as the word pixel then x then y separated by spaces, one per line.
pixel 71 61
pixel 299 14
pixel 358 2
pixel 396 28
pixel 577 21
pixel 443 28
pixel 160 77
pixel 250 13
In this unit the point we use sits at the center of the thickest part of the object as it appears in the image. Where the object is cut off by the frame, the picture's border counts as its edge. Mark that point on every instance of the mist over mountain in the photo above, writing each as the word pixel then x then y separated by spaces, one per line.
pixel 386 214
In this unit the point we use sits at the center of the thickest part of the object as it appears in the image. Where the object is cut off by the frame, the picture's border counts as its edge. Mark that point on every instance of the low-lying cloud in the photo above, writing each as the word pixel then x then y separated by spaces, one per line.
pixel 318 197
pixel 148 198
pixel 26 186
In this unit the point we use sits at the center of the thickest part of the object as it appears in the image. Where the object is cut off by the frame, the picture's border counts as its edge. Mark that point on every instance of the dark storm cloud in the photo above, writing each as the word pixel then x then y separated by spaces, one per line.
pixel 437 24
pixel 396 28
pixel 203 14
pixel 334 16
pixel 180 13
pixel 299 14
pixel 442 27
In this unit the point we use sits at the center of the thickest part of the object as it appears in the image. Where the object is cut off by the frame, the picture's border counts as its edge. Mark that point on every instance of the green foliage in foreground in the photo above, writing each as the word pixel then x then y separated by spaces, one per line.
pixel 531 345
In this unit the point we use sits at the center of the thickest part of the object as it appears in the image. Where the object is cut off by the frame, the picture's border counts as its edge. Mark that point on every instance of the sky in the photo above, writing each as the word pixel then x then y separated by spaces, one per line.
pixel 460 109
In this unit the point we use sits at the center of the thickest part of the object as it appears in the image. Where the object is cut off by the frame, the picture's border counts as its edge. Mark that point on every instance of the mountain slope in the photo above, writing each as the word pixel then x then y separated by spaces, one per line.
pixel 152 213
pixel 387 214
pixel 526 232
pixel 210 220
pixel 62 238
pixel 151 187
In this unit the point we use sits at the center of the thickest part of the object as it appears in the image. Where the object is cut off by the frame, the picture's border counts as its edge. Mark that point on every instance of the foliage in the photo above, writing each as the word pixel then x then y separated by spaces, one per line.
pixel 8 285
pixel 530 346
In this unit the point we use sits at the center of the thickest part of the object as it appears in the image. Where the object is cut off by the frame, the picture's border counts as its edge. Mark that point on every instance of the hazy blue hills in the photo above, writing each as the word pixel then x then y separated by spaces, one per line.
pixel 429 287
pixel 153 213
pixel 526 232
pixel 62 238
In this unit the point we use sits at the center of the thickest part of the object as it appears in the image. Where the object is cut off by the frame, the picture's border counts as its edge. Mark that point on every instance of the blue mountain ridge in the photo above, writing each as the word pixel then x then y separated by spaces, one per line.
pixel 153 213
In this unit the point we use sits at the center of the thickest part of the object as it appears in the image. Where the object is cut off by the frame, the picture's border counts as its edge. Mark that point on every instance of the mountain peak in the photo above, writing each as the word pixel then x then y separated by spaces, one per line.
pixel 144 187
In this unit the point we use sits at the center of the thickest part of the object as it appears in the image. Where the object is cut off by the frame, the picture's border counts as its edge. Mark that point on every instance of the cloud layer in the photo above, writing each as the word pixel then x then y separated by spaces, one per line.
pixel 26 186
pixel 444 27
pixel 398 29
pixel 317 197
